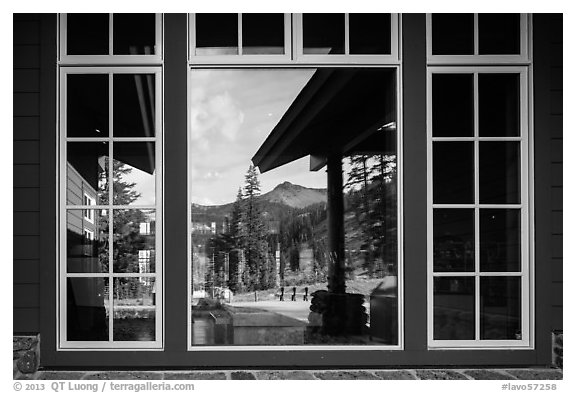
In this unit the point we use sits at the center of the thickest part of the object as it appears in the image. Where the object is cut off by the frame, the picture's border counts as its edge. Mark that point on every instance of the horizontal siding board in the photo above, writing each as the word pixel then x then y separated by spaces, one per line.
pixel 557 169
pixel 26 56
pixel 26 152
pixel 26 223
pixel 556 146
pixel 26 175
pixel 26 199
pixel 557 243
pixel 26 128
pixel 26 271
pixel 26 104
pixel 27 32
pixel 26 81
pixel 26 295
pixel 556 126
pixel 26 320
pixel 557 219
pixel 557 269
pixel 26 247
pixel 557 198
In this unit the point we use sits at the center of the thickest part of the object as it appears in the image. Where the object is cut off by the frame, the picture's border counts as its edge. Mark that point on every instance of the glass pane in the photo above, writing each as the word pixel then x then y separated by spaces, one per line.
pixel 134 105
pixel 452 105
pixel 134 173
pixel 454 308
pixel 216 34
pixel 323 34
pixel 499 104
pixel 499 34
pixel 87 34
pixel 134 241
pixel 500 308
pixel 87 105
pixel 263 34
pixel 500 242
pixel 134 309
pixel 87 173
pixel 453 34
pixel 453 240
pixel 370 34
pixel 87 309
pixel 260 250
pixel 499 172
pixel 87 241
pixel 134 34
pixel 453 172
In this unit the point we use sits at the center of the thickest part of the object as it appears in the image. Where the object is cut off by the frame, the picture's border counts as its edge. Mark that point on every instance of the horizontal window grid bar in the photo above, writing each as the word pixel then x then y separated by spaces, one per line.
pixel 478 138
pixel 113 69
pixel 479 274
pixel 479 344
pixel 111 139
pixel 67 63
pixel 477 62
pixel 107 345
pixel 394 64
pixel 113 275
pixel 474 206
pixel 113 207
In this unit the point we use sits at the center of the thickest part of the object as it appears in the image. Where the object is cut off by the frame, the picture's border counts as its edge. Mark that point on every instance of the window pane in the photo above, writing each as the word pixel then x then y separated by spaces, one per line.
pixel 323 34
pixel 216 34
pixel 87 241
pixel 500 308
pixel 453 240
pixel 134 309
pixel 454 308
pixel 500 242
pixel 453 34
pixel 87 173
pixel 499 104
pixel 134 241
pixel 452 105
pixel 134 173
pixel 453 172
pixel 499 172
pixel 87 34
pixel 87 309
pixel 134 105
pixel 499 34
pixel 87 105
pixel 370 34
pixel 134 34
pixel 263 34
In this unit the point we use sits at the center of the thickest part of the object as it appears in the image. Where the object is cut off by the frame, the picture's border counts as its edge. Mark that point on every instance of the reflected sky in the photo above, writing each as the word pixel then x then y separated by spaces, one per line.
pixel 232 113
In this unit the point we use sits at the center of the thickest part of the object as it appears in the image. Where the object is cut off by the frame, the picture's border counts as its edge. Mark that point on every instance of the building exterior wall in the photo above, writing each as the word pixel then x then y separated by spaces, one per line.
pixel 35 212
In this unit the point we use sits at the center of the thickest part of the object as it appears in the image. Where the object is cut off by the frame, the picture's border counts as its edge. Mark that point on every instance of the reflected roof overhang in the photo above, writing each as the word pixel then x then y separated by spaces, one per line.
pixel 342 111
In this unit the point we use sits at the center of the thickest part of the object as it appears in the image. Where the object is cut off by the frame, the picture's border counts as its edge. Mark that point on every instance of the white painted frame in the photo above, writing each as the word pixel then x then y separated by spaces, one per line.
pixel 400 222
pixel 523 58
pixel 110 58
pixel 347 58
pixel 239 58
pixel 63 207
pixel 526 207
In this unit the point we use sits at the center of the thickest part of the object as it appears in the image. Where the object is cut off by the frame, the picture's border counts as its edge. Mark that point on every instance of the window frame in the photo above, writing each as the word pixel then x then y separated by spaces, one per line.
pixel 158 139
pixel 110 58
pixel 347 58
pixel 400 347
pixel 525 206
pixel 239 58
pixel 522 58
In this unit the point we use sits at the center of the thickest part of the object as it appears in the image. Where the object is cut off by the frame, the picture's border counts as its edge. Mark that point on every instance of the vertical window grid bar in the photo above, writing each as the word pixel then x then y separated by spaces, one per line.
pixel 110 34
pixel 476 202
pixel 476 36
pixel 346 33
pixel 110 210
pixel 240 51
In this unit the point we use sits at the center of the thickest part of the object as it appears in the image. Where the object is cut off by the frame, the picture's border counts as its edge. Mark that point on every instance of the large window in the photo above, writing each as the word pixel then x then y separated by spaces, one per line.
pixel 479 255
pixel 262 265
pixel 110 256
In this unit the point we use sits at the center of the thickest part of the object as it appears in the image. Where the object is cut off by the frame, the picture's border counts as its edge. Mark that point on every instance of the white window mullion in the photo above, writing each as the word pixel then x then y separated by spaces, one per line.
pixel 111 34
pixel 346 34
pixel 240 51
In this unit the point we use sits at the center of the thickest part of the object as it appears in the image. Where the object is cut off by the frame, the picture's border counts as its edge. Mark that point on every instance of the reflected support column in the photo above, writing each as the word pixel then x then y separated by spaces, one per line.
pixel 336 278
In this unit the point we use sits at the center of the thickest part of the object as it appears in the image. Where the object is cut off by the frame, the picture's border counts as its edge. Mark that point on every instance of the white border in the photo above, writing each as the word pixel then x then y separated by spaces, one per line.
pixel 526 162
pixel 158 343
pixel 110 58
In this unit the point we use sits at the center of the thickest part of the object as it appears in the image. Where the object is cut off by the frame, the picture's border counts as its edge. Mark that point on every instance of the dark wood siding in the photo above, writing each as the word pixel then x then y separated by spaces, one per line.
pixel 556 93
pixel 26 191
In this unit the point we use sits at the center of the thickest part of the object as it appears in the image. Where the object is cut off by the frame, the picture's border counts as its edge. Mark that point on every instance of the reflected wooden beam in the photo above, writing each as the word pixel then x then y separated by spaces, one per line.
pixel 336 271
